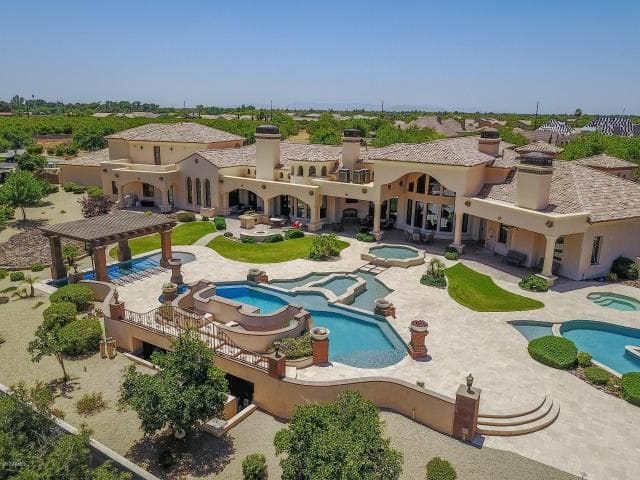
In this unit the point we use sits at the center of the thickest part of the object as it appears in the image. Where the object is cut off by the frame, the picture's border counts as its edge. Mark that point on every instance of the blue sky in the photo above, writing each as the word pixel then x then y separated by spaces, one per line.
pixel 472 55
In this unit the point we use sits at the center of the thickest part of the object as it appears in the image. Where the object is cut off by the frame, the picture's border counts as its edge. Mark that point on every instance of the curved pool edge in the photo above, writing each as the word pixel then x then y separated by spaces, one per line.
pixel 371 257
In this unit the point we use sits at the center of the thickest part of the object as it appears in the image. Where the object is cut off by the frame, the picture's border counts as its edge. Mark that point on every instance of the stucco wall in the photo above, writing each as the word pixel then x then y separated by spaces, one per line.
pixel 81 174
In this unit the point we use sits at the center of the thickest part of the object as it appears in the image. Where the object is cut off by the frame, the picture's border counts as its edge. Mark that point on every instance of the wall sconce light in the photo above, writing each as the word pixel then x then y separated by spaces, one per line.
pixel 161 179
pixel 549 223
pixel 364 190
pixel 467 203
pixel 196 160
pixel 311 193
pixel 263 187
pixel 104 170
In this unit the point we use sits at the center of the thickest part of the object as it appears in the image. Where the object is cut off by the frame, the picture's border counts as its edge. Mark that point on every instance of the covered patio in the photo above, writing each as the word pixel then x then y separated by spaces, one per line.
pixel 97 233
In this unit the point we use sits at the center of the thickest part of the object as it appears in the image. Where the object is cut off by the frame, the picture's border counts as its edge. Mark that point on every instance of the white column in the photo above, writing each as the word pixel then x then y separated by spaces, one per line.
pixel 377 208
pixel 547 267
pixel 457 232
pixel 315 223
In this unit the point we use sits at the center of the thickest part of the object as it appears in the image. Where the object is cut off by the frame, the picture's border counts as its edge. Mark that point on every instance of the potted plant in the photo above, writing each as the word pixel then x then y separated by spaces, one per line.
pixel 169 291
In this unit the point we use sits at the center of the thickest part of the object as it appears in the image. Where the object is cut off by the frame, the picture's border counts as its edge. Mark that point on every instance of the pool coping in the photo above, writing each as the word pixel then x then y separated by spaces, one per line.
pixel 593 296
pixel 418 259
pixel 347 297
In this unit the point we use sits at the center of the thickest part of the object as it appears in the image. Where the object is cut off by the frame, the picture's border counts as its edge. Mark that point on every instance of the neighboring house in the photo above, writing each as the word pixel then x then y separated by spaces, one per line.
pixel 557 127
pixel 490 122
pixel 540 147
pixel 522 123
pixel 553 138
pixel 564 217
pixel 610 164
pixel 613 125
pixel 448 127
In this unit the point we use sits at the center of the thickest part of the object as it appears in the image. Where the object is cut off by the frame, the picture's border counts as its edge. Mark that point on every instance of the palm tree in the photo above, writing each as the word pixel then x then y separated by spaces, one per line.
pixel 30 280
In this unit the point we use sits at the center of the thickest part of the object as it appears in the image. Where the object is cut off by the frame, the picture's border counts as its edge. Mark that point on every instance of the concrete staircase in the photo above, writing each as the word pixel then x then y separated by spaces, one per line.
pixel 509 425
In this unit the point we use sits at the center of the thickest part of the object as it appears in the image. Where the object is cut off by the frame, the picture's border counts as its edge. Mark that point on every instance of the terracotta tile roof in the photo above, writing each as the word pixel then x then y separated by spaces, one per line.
pixel 605 161
pixel 579 189
pixel 462 151
pixel 118 222
pixel 539 146
pixel 230 157
pixel 508 158
pixel 299 152
pixel 91 159
pixel 446 126
pixel 185 132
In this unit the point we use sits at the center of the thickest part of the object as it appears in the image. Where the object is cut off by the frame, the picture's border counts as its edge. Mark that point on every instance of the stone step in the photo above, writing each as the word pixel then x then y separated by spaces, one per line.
pixel 533 425
pixel 518 419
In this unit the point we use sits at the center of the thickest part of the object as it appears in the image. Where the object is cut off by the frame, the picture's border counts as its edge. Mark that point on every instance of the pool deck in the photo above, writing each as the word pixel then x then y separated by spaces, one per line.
pixel 596 433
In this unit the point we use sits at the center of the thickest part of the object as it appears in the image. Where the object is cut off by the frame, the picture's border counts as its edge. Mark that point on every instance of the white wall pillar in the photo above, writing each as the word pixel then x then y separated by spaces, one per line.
pixel 550 244
pixel 377 208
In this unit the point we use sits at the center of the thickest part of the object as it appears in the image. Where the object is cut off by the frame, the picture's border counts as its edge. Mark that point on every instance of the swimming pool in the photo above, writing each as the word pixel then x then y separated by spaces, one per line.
pixel 615 301
pixel 605 342
pixel 357 339
pixel 394 251
pixel 531 329
pixel 337 285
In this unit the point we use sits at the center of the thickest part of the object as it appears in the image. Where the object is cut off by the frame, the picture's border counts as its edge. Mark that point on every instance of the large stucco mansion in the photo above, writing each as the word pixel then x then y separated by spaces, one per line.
pixel 565 218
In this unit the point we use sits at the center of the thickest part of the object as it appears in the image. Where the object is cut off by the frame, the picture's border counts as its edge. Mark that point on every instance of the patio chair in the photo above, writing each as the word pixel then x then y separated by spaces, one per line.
pixel 415 235
pixel 427 237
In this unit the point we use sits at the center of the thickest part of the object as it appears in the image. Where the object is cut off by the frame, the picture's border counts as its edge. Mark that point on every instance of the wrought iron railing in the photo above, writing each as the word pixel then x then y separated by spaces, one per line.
pixel 170 321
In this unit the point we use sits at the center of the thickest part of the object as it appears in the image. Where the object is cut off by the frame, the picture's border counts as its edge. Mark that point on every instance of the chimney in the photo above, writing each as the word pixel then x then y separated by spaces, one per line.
pixel 489 142
pixel 533 180
pixel 350 147
pixel 267 151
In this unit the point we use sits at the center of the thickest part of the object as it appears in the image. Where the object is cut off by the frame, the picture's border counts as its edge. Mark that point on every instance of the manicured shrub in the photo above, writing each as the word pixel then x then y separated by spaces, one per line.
pixel 78 189
pixel 434 276
pixel 228 234
pixel 254 467
pixel 204 218
pixel 596 375
pixel 248 240
pixel 90 403
pixel 186 216
pixel 220 223
pixel 533 283
pixel 584 359
pixel 94 191
pixel 51 188
pixel 59 313
pixel 77 293
pixel 81 337
pixel 3 274
pixel 626 268
pixel 431 281
pixel 293 233
pixel 38 267
pixel 298 347
pixel 324 247
pixel 631 387
pixel 16 276
pixel 365 237
pixel 451 253
pixel 275 238
pixel 556 352
pixel 68 186
pixel 440 469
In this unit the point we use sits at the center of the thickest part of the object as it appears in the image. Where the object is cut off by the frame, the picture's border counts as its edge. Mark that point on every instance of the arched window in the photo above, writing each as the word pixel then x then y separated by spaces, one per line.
pixel 198 192
pixel 421 185
pixel 323 171
pixel 189 191
pixel 300 171
pixel 207 193
pixel 312 171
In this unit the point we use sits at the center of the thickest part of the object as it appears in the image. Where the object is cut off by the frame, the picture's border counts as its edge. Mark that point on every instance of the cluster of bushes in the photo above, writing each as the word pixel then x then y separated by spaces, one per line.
pixel 63 150
pixel 50 188
pixel 228 234
pixel 434 276
pixel 631 388
pixel 533 283
pixel 625 268
pixel 596 375
pixel 59 314
pixel 451 253
pixel 220 222
pixel 94 191
pixel 254 467
pixel 75 188
pixel 365 237
pixel 81 336
pixel 293 233
pixel 324 246
pixel 3 273
pixel 556 352
pixel 440 469
pixel 186 216
pixel 38 267
pixel 293 348
pixel 78 294
pixel 275 238
pixel 16 276
pixel 248 240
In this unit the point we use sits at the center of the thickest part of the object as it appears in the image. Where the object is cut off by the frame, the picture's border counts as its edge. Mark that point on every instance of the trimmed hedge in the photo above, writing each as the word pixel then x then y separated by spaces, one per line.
pixel 556 352
pixel 451 253
pixel 440 469
pixel 293 233
pixel 38 267
pixel 631 388
pixel 81 337
pixel 433 280
pixel 68 186
pixel 534 283
pixel 78 294
pixel 78 189
pixel 186 216
pixel 365 237
pixel 16 276
pixel 254 467
pixel 625 268
pixel 59 313
pixel 228 234
pixel 596 375
pixel 275 238
pixel 220 223
pixel 94 191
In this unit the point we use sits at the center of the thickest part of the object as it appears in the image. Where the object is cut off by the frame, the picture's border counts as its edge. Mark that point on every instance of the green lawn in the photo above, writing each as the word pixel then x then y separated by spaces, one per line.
pixel 265 252
pixel 478 292
pixel 183 234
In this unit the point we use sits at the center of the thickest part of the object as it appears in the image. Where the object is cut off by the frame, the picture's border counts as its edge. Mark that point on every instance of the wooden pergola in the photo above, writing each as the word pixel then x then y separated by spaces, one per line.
pixel 99 232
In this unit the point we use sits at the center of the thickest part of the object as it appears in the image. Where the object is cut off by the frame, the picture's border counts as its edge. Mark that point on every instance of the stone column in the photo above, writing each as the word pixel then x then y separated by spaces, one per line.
pixel 58 270
pixel 457 232
pixel 165 245
pixel 266 207
pixel 176 275
pixel 124 251
pixel 116 310
pixel 419 331
pixel 315 223
pixel 377 207
pixel 547 267
pixel 465 416
pixel 100 263
pixel 320 345
pixel 277 365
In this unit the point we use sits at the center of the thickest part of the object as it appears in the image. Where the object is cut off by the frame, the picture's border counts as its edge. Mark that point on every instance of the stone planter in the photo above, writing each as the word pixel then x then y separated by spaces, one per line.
pixel 169 292
pixel 319 333
pixel 384 308
pixel 419 326
pixel 175 264
pixel 382 303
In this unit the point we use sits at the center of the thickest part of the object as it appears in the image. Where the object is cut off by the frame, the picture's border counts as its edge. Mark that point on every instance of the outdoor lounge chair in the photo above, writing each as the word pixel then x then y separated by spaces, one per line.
pixel 427 237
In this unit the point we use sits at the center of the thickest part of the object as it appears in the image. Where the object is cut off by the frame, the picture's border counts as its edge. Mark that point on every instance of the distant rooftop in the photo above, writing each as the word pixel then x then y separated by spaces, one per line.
pixel 91 159
pixel 540 147
pixel 605 161
pixel 184 132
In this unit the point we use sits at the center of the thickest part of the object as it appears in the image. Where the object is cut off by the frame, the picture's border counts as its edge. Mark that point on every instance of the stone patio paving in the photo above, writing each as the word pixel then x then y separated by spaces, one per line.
pixel 596 433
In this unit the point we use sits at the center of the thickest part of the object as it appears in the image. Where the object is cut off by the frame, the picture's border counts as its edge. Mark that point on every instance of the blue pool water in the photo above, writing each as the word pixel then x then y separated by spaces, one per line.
pixel 615 301
pixel 605 342
pixel 531 329
pixel 298 282
pixel 338 285
pixel 396 252
pixel 356 339
pixel 375 289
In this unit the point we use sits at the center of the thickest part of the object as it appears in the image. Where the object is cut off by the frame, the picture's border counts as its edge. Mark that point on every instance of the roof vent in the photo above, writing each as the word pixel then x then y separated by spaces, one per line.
pixel 268 130
pixel 490 133
pixel 537 159
pixel 352 133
